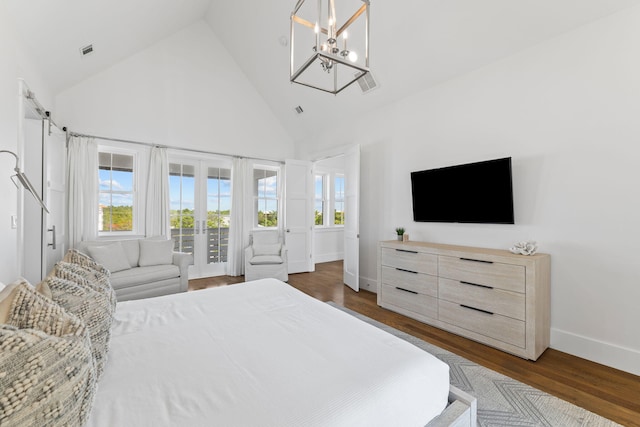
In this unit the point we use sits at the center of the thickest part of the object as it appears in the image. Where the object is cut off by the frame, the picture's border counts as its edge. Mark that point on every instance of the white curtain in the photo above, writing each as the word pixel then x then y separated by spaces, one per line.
pixel 82 190
pixel 157 206
pixel 241 192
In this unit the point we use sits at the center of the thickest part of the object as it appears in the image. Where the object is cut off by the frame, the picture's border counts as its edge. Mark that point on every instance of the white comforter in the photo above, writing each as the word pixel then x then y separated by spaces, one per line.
pixel 261 354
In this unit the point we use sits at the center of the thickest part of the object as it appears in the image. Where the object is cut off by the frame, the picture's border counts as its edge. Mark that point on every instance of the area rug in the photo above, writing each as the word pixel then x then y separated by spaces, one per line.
pixel 502 401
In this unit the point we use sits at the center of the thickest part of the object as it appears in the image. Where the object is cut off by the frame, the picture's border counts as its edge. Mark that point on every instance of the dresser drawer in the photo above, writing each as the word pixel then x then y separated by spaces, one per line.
pixel 498 301
pixel 495 326
pixel 497 275
pixel 410 260
pixel 417 282
pixel 418 303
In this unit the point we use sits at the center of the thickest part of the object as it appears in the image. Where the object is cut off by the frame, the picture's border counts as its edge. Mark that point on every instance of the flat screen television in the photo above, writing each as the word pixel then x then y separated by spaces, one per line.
pixel 480 193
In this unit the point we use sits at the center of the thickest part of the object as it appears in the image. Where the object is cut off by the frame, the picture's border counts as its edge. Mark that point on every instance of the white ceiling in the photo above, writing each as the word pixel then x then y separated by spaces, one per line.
pixel 415 44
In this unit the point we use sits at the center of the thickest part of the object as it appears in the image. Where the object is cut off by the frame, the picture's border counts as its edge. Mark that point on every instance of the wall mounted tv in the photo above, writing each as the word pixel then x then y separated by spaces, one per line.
pixel 480 193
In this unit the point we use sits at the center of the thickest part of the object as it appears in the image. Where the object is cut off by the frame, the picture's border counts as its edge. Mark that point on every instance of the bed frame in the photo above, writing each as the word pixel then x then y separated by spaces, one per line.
pixel 460 412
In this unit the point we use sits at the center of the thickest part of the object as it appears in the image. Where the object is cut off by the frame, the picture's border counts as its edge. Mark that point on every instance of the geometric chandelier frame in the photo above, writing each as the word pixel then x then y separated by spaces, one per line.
pixel 332 65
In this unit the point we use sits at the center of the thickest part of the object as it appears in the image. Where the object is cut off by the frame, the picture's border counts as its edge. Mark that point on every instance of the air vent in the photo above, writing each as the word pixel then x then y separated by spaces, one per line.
pixel 299 109
pixel 86 50
pixel 367 82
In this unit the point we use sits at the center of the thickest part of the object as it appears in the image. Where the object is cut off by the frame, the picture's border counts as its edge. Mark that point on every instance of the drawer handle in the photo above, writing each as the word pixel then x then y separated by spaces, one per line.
pixel 406 271
pixel 405 250
pixel 406 290
pixel 476 309
pixel 476 284
pixel 477 260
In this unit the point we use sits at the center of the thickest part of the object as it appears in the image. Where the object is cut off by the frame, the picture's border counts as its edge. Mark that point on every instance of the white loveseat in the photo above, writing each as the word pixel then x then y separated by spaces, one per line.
pixel 141 268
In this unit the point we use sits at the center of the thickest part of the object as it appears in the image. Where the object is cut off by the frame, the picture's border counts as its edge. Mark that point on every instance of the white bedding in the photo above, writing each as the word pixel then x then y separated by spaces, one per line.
pixel 260 354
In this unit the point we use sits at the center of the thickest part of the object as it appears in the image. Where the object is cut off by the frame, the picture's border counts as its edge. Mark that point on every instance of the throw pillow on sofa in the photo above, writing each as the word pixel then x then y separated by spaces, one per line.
pixel 111 256
pixel 48 376
pixel 155 252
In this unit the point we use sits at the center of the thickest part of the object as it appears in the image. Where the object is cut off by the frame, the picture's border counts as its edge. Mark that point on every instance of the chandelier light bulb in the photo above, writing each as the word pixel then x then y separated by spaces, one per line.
pixel 316 29
pixel 353 57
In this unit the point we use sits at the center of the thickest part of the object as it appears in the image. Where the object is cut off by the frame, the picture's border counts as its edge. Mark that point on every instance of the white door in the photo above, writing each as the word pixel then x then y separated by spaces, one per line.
pixel 352 218
pixel 200 209
pixel 299 215
pixel 54 165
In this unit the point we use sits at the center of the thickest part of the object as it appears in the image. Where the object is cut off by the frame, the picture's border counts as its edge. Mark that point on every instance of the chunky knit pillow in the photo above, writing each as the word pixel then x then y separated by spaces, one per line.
pixel 47 375
pixel 74 256
pixel 86 276
pixel 89 303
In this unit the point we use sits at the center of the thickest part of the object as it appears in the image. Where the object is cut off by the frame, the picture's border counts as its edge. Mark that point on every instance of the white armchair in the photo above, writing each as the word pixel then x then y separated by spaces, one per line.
pixel 266 256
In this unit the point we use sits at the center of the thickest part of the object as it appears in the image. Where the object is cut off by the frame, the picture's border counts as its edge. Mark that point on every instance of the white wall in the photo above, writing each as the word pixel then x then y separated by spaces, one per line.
pixel 567 111
pixel 15 64
pixel 183 91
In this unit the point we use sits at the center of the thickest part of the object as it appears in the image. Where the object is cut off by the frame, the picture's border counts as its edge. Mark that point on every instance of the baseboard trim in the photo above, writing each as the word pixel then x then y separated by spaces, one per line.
pixel 615 356
pixel 368 284
pixel 336 256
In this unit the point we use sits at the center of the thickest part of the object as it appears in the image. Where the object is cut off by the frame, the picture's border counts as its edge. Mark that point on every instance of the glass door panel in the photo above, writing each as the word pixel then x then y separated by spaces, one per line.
pixel 218 213
pixel 182 196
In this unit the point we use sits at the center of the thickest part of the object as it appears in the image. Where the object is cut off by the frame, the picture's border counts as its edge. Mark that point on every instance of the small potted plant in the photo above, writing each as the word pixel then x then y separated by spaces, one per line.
pixel 400 232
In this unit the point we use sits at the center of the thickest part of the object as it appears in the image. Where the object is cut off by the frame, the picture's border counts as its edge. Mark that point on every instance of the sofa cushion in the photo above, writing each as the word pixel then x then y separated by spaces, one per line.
pixel 142 275
pixel 155 252
pixel 265 260
pixel 132 251
pixel 111 256
pixel 266 249
pixel 48 376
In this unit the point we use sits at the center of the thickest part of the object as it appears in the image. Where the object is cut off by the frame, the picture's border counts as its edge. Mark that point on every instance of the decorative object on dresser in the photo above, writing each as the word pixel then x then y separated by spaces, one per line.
pixel 488 295
pixel 524 248
pixel 400 233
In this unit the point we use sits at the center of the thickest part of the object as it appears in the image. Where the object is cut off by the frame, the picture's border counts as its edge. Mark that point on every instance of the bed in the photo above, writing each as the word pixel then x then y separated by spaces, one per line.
pixel 263 353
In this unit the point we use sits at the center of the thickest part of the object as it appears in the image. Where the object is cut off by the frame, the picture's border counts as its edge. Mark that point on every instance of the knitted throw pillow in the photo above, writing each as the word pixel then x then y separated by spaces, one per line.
pixel 92 306
pixel 47 375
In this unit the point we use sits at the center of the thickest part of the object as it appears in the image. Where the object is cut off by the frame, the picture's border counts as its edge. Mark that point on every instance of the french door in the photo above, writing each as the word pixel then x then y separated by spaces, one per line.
pixel 200 212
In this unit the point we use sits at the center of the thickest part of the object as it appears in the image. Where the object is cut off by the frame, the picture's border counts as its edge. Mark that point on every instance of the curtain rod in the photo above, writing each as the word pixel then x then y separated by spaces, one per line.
pixel 149 144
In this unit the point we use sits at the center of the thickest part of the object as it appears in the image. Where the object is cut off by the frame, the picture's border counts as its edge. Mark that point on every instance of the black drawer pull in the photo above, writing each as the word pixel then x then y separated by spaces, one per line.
pixel 406 271
pixel 405 250
pixel 407 290
pixel 476 284
pixel 476 309
pixel 477 260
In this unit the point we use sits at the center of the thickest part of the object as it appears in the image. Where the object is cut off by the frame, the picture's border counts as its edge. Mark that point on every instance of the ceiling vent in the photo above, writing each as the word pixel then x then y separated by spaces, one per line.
pixel 299 109
pixel 367 82
pixel 86 50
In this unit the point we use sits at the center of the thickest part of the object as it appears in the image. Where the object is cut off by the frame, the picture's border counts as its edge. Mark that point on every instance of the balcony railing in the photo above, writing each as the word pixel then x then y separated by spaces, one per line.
pixel 217 242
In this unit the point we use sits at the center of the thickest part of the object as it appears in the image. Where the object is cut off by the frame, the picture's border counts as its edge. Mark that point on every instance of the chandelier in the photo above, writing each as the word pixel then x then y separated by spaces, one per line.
pixel 333 53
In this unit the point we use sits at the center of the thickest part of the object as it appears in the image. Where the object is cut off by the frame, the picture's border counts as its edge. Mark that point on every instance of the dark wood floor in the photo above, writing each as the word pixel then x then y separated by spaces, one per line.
pixel 609 392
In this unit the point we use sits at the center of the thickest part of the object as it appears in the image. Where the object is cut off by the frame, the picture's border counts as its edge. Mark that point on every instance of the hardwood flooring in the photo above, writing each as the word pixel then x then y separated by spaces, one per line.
pixel 608 392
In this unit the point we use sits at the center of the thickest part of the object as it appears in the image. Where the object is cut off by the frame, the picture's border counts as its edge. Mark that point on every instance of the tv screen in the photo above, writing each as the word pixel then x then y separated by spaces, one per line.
pixel 480 193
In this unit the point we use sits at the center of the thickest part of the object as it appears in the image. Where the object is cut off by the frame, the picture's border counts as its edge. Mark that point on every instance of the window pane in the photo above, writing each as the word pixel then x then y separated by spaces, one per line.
pixel 266 194
pixel 338 212
pixel 116 197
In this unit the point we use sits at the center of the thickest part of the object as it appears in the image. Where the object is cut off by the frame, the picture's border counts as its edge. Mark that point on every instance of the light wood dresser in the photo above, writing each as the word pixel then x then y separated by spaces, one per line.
pixel 488 295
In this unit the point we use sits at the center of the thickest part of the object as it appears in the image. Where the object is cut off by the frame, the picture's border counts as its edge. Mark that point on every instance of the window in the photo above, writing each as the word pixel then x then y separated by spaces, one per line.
pixel 265 186
pixel 338 205
pixel 320 199
pixel 117 198
pixel 218 213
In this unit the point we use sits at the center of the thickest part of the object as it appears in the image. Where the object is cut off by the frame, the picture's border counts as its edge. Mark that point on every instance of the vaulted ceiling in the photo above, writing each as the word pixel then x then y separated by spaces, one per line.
pixel 415 44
